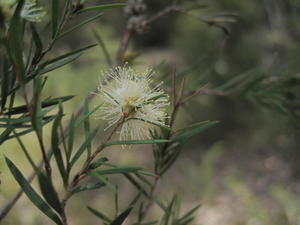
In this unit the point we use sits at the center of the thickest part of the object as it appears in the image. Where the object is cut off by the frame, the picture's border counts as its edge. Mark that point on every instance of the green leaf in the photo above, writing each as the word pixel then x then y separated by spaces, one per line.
pixel 188 214
pixel 160 204
pixel 59 64
pixel 80 25
pixel 120 169
pixel 49 192
pixel 5 134
pixel 135 199
pixel 185 134
pixel 136 184
pixel 55 145
pixel 105 181
pixel 21 120
pixel 66 12
pixel 37 115
pixel 102 7
pixel 100 215
pixel 31 194
pixel 134 142
pixel 54 19
pixel 15 34
pixel 71 135
pixel 37 41
pixel 121 218
pixel 164 127
pixel 104 49
pixel 74 124
pixel 169 161
pixel 146 223
pixel 87 125
pixel 83 147
pixel 45 103
pixel 141 212
pixel 98 163
pixel 147 173
pixel 4 83
pixel 80 121
pixel 168 211
pixel 79 50
pixel 235 81
pixel 87 187
pixel 143 179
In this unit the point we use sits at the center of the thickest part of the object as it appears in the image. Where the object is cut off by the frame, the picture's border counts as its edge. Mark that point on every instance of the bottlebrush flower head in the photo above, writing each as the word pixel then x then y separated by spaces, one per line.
pixel 131 96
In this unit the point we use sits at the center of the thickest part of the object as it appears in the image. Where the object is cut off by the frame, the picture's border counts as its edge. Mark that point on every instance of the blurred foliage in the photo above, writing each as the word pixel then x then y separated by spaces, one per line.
pixel 247 53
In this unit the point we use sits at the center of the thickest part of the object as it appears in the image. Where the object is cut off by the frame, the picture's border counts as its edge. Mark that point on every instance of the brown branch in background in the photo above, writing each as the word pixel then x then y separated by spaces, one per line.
pixel 124 45
pixel 164 12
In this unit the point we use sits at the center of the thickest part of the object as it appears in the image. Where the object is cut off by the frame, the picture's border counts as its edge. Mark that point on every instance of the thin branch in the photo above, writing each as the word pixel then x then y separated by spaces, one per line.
pixel 124 45
pixel 83 172
pixel 164 12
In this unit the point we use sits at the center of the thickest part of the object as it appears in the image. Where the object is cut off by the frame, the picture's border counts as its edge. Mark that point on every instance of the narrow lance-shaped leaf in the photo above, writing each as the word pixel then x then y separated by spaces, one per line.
pixel 169 161
pixel 71 136
pixel 54 19
pixel 184 136
pixel 87 187
pixel 87 141
pixel 37 41
pixel 105 181
pixel 136 184
pixel 66 55
pixel 5 135
pixel 45 103
pixel 121 218
pixel 135 142
pixel 55 145
pixel 80 25
pixel 189 214
pixel 15 42
pixel 104 48
pixel 141 212
pixel 100 215
pixel 87 125
pixel 117 170
pixel 135 199
pixel 168 211
pixel 67 9
pixel 59 64
pixel 37 115
pixel 4 83
pixel 31 194
pixel 102 7
pixel 98 163
pixel 49 192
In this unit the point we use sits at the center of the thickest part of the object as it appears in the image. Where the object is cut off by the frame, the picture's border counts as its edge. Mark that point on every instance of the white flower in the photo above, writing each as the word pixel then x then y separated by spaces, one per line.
pixel 30 11
pixel 128 95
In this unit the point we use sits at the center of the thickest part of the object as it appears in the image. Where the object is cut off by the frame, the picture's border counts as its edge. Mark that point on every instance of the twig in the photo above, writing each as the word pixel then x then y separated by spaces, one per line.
pixel 124 44
pixel 83 172
pixel 169 9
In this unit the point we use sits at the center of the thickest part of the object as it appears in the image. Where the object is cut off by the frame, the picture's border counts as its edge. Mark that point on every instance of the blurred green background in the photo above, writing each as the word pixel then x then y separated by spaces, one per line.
pixel 245 170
